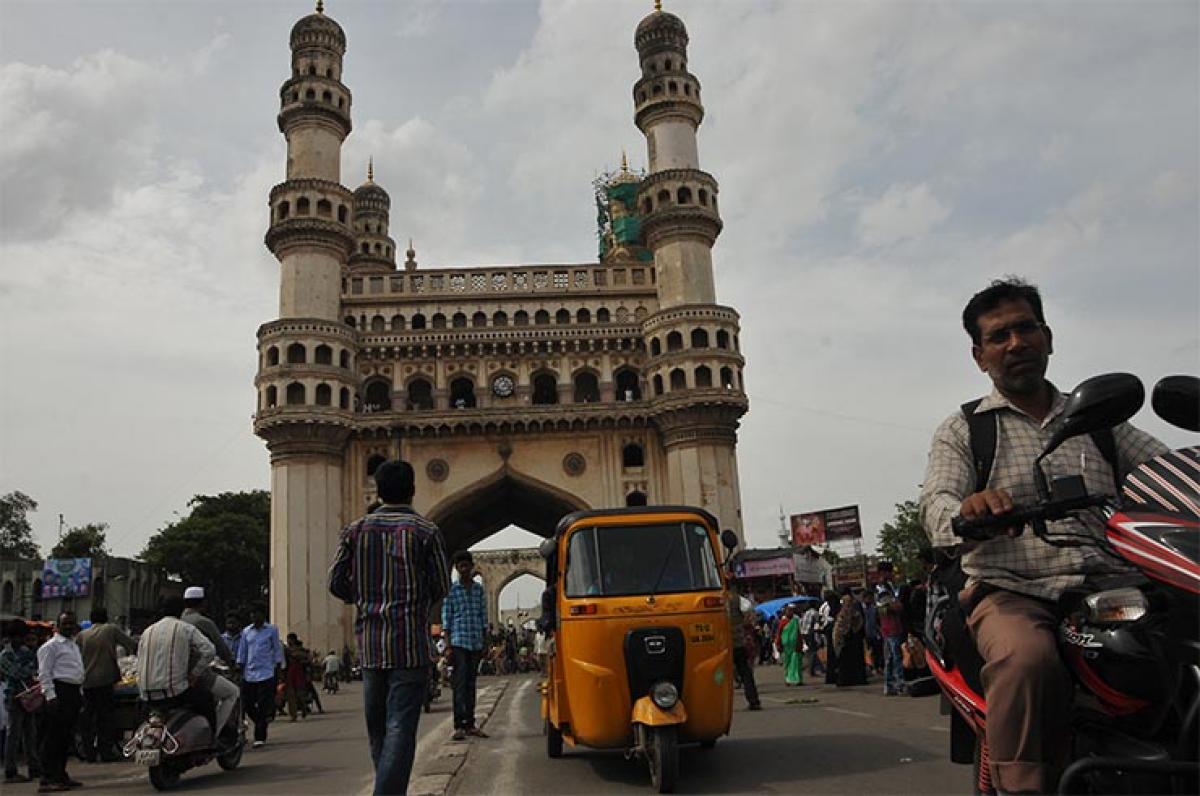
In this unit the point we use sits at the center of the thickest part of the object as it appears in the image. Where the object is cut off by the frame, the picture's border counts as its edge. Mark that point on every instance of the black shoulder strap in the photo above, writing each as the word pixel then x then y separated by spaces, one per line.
pixel 981 429
pixel 1107 444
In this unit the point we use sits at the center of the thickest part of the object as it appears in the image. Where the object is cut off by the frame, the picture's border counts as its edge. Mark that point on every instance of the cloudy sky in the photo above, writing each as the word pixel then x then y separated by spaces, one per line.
pixel 878 162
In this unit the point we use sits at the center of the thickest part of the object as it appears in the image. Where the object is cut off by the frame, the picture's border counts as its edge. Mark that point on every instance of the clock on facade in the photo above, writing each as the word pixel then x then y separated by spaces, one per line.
pixel 502 386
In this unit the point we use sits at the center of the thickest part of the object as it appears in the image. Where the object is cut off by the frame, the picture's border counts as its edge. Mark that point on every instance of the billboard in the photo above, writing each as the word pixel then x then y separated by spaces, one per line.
pixel 66 577
pixel 822 527
pixel 761 567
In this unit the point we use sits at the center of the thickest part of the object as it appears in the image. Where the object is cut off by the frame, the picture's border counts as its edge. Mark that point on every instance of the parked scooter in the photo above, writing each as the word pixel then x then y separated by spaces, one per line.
pixel 174 738
pixel 1131 645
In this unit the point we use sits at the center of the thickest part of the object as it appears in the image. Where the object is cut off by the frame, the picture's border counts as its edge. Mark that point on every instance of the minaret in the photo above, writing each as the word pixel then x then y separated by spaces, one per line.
pixel 374 251
pixel 695 367
pixel 306 378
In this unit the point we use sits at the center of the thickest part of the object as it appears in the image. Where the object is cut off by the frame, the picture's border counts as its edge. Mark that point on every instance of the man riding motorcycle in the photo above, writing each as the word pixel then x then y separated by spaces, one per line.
pixel 1014 580
pixel 224 691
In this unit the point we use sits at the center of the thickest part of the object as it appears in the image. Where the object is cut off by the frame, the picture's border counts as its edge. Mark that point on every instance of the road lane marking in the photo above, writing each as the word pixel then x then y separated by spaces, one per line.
pixel 852 713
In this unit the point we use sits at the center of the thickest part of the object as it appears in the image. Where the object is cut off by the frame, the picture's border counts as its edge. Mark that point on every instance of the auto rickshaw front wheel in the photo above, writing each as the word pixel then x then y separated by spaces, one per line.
pixel 554 742
pixel 663 757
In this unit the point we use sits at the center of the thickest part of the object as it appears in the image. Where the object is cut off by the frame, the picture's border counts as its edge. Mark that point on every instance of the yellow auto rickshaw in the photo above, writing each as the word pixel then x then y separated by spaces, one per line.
pixel 640 657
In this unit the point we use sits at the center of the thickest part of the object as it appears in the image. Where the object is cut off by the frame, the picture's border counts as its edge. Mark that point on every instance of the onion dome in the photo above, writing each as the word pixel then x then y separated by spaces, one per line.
pixel 660 27
pixel 369 191
pixel 318 29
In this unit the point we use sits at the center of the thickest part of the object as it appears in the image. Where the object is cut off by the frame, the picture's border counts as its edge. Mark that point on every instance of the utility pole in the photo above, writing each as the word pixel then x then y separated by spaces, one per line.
pixel 61 523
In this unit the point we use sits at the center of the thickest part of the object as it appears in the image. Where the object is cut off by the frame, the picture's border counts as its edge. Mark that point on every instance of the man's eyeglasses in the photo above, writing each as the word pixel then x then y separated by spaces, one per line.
pixel 1024 329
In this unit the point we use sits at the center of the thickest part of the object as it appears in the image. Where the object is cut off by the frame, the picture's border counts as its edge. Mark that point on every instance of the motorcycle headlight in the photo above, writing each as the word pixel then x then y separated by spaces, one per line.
pixel 665 695
pixel 1116 605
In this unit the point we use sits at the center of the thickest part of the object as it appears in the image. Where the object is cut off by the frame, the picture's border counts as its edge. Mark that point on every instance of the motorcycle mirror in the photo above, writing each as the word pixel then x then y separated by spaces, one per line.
pixel 1176 399
pixel 1099 402
pixel 547 547
pixel 729 539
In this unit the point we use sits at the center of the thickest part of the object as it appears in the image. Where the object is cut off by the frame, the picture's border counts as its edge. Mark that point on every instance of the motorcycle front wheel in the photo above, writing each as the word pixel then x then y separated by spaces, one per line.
pixel 663 757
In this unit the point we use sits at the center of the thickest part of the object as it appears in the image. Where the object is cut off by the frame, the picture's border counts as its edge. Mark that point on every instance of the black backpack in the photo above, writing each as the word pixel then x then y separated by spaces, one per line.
pixel 982 430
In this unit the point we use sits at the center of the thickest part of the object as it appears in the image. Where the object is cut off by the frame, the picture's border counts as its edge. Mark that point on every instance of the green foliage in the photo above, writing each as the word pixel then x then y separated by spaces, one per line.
pixel 224 545
pixel 84 541
pixel 902 540
pixel 16 534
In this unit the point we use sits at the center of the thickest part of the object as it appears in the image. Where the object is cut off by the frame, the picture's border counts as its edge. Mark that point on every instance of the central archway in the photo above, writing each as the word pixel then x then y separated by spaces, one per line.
pixel 506 497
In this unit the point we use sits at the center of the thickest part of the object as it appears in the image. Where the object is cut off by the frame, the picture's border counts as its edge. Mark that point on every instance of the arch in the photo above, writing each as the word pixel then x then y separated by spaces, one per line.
pixel 655 347
pixel 325 208
pixel 303 206
pixel 479 319
pixel 506 497
pixel 500 318
pixel 584 315
pixel 587 387
pixel 273 356
pixel 311 94
pixel 344 398
pixel 674 341
pixel 327 96
pixel 678 379
pixel 727 378
pixel 438 321
pixel 636 498
pixel 323 355
pixel 541 318
pixel 536 568
pixel 702 194
pixel 324 395
pixel 350 321
pixel 664 197
pixel 462 393
pixel 658 384
pixel 632 455
pixel 684 195
pixel 397 323
pixel 722 338
pixel 520 318
pixel 703 376
pixel 378 324
pixel 365 247
pixel 373 462
pixel 37 589
pixel 562 317
pixel 699 338
pixel 420 394
pixel 344 358
pixel 672 87
pixel 629 385
pixel 7 597
pixel 284 209
pixel 545 388
pixel 459 321
pixel 418 321
pixel 295 394
pixel 603 315
pixel 341 214
pixel 377 395
pixel 312 69
pixel 272 396
pixel 297 354
pixel 647 206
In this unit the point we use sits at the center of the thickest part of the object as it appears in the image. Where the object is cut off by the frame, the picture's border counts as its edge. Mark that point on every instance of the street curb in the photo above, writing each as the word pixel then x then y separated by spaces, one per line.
pixel 437 775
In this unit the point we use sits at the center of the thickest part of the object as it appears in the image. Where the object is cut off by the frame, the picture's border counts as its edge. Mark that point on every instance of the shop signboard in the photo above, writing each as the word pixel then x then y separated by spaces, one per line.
pixel 66 577
pixel 763 567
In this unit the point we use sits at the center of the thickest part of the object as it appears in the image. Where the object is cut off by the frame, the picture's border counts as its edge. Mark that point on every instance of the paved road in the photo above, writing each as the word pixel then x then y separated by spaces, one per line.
pixel 815 739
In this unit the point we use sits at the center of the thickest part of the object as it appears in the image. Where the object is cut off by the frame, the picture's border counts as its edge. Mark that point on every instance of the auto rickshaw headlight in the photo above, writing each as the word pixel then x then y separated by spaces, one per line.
pixel 664 694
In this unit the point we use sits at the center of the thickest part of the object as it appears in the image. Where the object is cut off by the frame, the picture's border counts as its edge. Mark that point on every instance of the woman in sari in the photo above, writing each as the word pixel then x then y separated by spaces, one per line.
pixel 789 647
pixel 848 639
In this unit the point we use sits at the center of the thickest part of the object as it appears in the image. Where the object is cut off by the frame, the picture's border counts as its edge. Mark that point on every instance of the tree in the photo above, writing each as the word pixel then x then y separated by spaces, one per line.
pixel 902 540
pixel 84 541
pixel 224 545
pixel 16 534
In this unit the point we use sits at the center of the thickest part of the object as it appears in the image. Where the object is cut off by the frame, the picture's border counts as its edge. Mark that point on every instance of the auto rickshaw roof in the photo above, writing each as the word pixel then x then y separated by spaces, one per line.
pixel 632 511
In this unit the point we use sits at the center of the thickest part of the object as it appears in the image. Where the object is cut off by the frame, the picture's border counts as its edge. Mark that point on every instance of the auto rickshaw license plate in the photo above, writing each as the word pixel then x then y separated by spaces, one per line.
pixel 147 757
pixel 701 632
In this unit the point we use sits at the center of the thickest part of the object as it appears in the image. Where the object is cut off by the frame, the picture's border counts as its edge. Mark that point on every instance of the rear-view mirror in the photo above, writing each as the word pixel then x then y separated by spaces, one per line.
pixel 1176 399
pixel 729 539
pixel 547 547
pixel 1098 402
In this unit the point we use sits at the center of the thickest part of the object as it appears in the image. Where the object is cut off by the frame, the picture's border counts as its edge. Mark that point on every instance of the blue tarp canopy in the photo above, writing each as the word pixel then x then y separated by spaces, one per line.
pixel 772 607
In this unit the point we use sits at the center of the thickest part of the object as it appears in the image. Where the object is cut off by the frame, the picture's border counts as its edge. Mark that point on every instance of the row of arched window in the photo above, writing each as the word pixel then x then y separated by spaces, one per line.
pixel 671 88
pixel 297 354
pixel 312 71
pixel 699 338
pixel 682 196
pixel 304 207
pixel 310 95
pixel 702 377
pixel 296 394
pixel 460 320
pixel 379 248
pixel 632 455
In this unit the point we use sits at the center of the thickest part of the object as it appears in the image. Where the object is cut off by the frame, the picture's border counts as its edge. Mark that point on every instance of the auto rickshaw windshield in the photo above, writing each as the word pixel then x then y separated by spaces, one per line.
pixel 610 561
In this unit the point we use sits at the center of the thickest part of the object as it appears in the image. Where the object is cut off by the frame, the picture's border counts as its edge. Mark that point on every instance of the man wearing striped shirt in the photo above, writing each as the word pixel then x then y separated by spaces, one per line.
pixel 173 662
pixel 1015 579
pixel 391 565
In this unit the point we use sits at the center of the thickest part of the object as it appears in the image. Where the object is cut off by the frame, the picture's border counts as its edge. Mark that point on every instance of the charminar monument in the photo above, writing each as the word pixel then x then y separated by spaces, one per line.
pixel 518 392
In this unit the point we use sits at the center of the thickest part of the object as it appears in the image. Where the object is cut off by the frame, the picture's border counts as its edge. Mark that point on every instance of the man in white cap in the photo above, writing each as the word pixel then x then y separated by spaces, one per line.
pixel 225 692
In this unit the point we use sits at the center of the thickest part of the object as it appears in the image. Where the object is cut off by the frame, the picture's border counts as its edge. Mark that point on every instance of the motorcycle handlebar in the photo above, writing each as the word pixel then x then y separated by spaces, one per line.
pixel 981 529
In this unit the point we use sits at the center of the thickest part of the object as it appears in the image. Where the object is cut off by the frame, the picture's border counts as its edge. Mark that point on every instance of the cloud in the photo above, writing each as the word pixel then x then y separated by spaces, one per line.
pixel 902 213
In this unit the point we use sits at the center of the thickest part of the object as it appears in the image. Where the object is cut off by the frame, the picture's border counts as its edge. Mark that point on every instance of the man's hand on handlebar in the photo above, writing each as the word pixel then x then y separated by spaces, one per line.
pixel 990 502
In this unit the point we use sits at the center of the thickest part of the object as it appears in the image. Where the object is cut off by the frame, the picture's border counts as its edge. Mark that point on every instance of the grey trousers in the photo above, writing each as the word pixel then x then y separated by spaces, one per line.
pixel 22 737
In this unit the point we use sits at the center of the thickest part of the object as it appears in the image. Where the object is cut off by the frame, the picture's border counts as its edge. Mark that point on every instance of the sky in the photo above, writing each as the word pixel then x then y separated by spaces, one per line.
pixel 878 164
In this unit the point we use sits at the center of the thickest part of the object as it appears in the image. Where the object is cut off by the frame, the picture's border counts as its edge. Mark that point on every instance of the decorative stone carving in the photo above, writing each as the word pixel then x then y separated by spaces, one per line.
pixel 574 464
pixel 437 470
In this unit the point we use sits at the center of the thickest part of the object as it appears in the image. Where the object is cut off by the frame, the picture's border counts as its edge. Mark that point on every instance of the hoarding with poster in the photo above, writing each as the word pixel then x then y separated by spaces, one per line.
pixel 822 527
pixel 66 577
pixel 808 529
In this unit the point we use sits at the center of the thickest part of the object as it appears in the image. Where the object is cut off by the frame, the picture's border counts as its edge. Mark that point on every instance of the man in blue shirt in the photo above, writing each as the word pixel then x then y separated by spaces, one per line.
pixel 464 619
pixel 259 653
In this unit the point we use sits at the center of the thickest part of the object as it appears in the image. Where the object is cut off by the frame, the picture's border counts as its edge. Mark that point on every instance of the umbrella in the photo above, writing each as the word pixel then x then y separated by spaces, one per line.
pixel 772 607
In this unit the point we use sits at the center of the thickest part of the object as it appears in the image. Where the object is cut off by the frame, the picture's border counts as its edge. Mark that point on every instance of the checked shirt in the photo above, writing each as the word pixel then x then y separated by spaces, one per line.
pixel 464 616
pixel 1026 565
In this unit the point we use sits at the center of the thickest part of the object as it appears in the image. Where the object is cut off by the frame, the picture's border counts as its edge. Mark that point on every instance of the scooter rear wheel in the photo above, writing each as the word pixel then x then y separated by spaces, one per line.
pixel 164 777
pixel 663 756
pixel 233 758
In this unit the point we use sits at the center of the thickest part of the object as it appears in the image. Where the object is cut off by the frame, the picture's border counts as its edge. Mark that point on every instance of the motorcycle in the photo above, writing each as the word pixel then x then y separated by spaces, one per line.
pixel 174 738
pixel 1131 644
